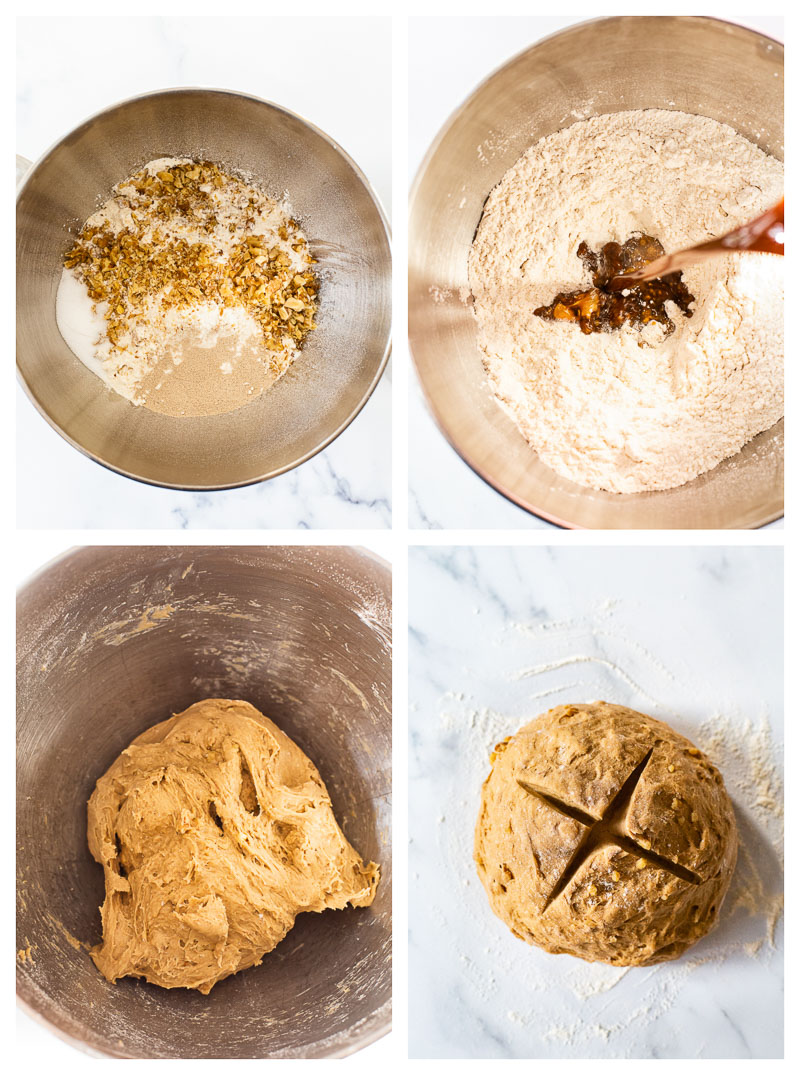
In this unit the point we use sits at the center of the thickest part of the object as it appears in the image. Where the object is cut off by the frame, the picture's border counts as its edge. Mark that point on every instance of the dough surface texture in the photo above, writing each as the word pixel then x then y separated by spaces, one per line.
pixel 604 834
pixel 214 831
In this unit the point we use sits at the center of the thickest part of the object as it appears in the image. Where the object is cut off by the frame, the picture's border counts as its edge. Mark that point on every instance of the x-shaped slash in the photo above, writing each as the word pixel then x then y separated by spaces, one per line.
pixel 609 829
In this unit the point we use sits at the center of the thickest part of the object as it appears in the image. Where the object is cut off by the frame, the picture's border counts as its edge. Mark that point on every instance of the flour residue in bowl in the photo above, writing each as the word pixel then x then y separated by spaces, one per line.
pixel 189 291
pixel 634 408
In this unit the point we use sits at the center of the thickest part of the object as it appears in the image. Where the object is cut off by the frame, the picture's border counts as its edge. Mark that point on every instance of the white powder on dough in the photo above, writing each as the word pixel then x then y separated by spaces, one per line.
pixel 631 410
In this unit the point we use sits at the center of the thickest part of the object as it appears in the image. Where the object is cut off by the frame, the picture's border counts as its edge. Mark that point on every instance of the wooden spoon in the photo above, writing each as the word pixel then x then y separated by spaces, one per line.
pixel 764 235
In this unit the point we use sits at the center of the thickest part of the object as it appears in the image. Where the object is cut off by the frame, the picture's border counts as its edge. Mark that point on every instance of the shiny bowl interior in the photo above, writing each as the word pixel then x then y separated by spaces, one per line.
pixel 112 640
pixel 341 361
pixel 693 64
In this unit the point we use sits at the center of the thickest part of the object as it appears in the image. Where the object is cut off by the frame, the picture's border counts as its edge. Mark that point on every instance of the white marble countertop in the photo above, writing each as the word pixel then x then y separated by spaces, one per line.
pixel 692 636
pixel 447 60
pixel 347 485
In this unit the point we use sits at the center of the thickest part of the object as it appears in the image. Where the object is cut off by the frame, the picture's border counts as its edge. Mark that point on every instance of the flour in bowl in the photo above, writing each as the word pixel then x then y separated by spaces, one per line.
pixel 189 291
pixel 632 409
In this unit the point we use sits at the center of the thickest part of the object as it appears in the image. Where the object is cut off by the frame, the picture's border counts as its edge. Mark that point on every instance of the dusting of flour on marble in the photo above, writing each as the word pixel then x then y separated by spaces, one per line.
pixel 593 1009
pixel 626 410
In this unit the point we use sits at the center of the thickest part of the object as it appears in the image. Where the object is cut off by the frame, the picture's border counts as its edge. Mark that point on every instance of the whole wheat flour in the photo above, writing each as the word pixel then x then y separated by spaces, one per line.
pixel 189 291
pixel 632 410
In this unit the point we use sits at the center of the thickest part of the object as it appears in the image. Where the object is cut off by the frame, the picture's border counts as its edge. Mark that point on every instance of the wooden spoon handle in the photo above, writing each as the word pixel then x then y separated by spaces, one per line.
pixel 762 235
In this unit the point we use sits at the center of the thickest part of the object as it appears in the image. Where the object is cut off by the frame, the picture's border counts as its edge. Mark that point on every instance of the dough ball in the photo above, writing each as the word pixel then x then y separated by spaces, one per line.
pixel 214 831
pixel 604 834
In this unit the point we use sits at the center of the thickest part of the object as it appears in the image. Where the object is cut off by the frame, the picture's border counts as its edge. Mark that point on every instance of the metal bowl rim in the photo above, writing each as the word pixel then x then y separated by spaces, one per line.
pixel 443 131
pixel 375 1033
pixel 379 370
pixel 381 1020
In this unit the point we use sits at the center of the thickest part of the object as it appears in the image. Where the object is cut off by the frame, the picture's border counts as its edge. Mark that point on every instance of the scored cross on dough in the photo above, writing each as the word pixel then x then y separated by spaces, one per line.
pixel 604 834
pixel 609 828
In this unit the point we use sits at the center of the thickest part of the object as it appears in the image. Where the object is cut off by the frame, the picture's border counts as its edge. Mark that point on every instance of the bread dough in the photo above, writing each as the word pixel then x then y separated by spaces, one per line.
pixel 214 831
pixel 604 834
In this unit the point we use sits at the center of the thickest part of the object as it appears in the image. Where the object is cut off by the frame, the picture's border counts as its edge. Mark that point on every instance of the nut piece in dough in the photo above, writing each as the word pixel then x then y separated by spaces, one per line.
pixel 604 834
pixel 214 831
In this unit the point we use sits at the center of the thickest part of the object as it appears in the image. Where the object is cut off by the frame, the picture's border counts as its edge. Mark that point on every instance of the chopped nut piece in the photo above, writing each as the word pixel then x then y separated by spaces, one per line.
pixel 499 748
pixel 138 266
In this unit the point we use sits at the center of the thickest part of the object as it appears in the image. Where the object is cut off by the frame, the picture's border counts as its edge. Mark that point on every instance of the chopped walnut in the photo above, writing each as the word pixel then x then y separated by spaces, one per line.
pixel 131 268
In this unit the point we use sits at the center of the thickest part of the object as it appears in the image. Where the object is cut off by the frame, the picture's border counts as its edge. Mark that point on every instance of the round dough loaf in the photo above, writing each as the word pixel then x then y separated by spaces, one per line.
pixel 214 831
pixel 604 834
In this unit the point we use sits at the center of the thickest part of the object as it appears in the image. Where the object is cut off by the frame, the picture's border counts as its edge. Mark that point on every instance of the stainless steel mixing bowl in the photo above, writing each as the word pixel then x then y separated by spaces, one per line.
pixel 693 64
pixel 112 640
pixel 341 362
